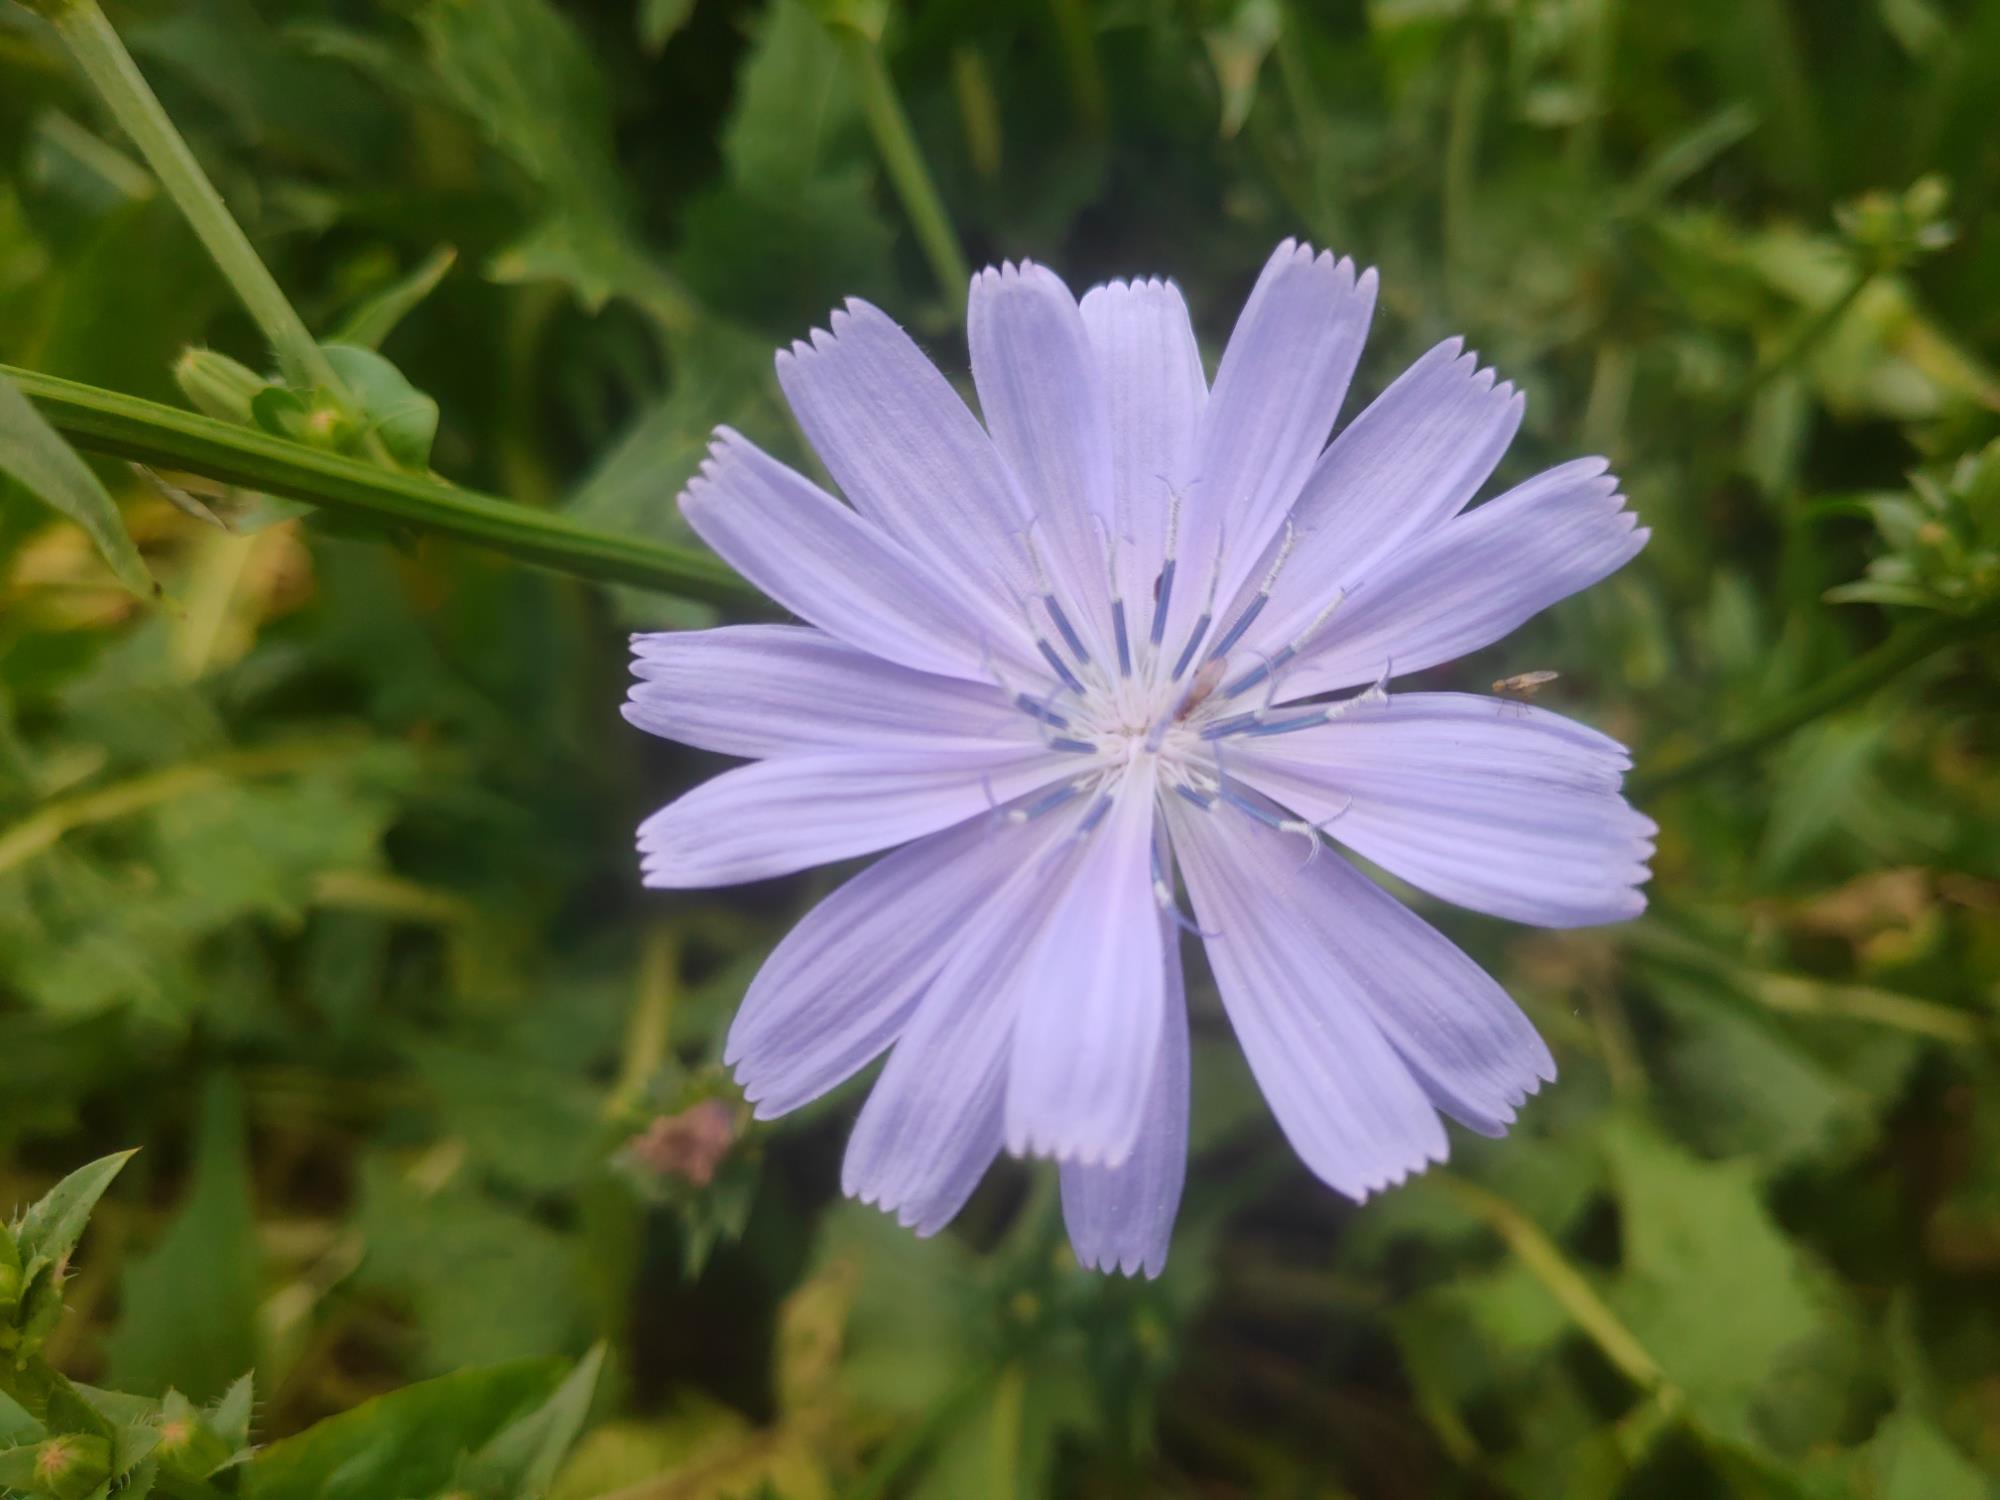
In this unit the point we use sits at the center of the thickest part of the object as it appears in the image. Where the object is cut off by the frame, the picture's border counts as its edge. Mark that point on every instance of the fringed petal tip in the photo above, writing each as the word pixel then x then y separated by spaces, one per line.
pixel 1135 1264
pixel 1301 254
pixel 1386 1176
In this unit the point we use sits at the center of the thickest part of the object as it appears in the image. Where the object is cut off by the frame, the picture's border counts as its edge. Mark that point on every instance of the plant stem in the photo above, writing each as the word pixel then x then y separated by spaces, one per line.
pixel 1905 648
pixel 1564 1282
pixel 110 69
pixel 101 421
pixel 905 163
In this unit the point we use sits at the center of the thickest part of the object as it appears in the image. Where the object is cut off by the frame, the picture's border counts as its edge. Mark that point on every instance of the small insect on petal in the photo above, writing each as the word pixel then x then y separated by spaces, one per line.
pixel 1524 685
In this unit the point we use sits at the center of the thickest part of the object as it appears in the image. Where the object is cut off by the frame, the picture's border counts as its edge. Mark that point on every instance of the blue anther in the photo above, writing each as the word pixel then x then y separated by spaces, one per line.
pixel 1194 641
pixel 1063 625
pixel 1244 805
pixel 1036 710
pixel 1286 726
pixel 1049 801
pixel 1228 727
pixel 1058 665
pixel 1258 673
pixel 1242 624
pixel 1160 598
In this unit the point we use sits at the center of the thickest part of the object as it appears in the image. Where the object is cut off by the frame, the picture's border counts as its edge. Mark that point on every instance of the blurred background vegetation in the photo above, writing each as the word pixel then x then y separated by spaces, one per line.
pixel 316 878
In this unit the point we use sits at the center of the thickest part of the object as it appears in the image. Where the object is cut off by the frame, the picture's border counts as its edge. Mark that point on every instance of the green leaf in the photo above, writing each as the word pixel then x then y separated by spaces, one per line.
pixel 401 415
pixel 189 1308
pixel 1237 49
pixel 375 319
pixel 1909 1459
pixel 521 1460
pixel 34 455
pixel 408 1442
pixel 17 1426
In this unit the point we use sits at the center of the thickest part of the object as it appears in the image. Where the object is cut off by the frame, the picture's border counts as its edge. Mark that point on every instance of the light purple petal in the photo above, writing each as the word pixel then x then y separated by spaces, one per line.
pixel 1043 403
pixel 1474 579
pixel 912 458
pixel 843 983
pixel 1411 461
pixel 1094 997
pixel 1498 806
pixel 778 816
pixel 932 1123
pixel 1276 394
pixel 1150 368
pixel 826 564
pixel 1472 1050
pixel 762 690
pixel 1122 1218
pixel 1279 940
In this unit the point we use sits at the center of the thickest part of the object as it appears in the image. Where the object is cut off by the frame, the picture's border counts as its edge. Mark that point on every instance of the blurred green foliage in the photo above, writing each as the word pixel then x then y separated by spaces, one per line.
pixel 315 877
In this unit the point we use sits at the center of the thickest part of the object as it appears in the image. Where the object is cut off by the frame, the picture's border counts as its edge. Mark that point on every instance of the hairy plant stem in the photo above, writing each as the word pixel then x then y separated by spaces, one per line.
pixel 132 102
pixel 146 432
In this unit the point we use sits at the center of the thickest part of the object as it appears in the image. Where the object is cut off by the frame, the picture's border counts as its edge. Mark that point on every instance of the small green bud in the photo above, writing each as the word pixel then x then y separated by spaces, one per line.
pixel 218 385
pixel 1897 227
pixel 71 1466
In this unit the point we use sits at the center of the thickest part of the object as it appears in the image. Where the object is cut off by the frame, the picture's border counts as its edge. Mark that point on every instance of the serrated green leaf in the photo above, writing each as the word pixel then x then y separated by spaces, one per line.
pixel 800 182
pixel 229 1418
pixel 34 456
pixel 1708 1284
pixel 519 69
pixel 52 1225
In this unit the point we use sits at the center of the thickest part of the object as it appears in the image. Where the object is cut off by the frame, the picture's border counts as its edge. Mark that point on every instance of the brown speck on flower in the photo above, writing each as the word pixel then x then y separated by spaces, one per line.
pixel 689 1145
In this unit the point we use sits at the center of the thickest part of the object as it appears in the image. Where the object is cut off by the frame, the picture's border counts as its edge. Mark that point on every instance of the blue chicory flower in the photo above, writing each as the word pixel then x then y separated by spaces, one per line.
pixel 1084 653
